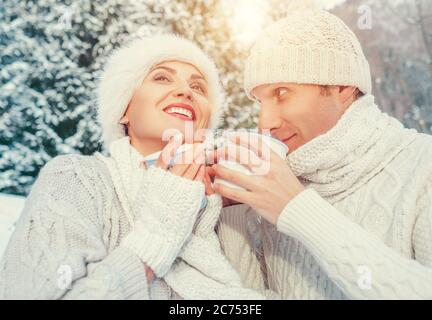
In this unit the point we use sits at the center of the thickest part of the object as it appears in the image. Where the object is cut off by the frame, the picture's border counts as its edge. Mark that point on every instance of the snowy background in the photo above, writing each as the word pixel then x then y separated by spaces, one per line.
pixel 10 209
pixel 51 54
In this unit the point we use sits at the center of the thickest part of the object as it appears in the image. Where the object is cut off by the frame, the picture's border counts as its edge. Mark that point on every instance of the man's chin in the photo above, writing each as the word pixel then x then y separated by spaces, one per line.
pixel 293 144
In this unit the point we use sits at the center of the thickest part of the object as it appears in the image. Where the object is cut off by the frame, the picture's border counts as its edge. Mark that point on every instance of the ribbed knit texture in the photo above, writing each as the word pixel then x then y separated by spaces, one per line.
pixel 66 242
pixel 366 211
pixel 309 46
pixel 202 271
pixel 90 224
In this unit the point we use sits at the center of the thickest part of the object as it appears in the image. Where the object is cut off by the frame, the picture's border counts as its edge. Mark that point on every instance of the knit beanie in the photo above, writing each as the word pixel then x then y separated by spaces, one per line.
pixel 129 65
pixel 309 46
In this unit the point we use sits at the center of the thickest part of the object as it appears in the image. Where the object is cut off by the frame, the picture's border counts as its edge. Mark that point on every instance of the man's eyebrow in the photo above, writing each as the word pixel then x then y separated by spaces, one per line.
pixel 285 86
pixel 170 70
pixel 289 89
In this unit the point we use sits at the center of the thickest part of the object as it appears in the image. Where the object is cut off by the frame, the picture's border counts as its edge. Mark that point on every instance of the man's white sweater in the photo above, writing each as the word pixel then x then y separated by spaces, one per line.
pixel 362 229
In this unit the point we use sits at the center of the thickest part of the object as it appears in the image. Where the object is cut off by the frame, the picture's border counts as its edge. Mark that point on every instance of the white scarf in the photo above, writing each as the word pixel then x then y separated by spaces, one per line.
pixel 124 165
pixel 357 148
pixel 126 172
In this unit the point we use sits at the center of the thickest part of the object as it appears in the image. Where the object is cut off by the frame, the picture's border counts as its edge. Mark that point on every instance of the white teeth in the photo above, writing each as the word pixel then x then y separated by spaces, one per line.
pixel 182 111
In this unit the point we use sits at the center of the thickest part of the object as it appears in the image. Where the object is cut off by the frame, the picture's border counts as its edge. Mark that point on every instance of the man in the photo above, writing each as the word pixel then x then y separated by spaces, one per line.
pixel 349 214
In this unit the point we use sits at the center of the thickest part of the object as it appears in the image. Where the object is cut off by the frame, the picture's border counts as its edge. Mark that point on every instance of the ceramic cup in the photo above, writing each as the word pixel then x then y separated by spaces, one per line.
pixel 274 144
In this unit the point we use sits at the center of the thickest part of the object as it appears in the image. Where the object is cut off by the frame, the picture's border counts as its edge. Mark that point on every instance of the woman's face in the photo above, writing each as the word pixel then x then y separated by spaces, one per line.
pixel 174 95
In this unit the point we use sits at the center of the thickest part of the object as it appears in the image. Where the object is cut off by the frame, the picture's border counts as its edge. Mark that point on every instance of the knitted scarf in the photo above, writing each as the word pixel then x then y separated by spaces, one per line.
pixel 124 165
pixel 188 278
pixel 356 149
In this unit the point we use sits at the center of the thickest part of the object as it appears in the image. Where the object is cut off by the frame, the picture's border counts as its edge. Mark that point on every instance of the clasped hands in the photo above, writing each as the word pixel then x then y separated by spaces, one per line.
pixel 266 191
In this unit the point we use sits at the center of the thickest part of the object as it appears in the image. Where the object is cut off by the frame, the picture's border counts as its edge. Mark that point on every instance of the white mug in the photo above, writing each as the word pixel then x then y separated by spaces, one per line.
pixel 274 144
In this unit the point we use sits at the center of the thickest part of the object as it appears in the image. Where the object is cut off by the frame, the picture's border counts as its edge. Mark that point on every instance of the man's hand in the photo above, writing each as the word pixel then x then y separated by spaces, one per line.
pixel 210 174
pixel 267 191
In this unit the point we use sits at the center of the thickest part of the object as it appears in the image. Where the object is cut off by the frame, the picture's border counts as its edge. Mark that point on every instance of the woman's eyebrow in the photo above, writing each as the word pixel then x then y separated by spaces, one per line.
pixel 196 77
pixel 170 70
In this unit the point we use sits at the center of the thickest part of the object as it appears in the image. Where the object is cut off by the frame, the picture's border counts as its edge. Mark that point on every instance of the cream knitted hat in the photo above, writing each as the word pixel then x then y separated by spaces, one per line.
pixel 310 46
pixel 128 66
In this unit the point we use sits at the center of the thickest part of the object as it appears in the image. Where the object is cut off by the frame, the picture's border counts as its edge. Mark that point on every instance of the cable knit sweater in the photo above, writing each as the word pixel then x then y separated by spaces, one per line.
pixel 362 229
pixel 90 224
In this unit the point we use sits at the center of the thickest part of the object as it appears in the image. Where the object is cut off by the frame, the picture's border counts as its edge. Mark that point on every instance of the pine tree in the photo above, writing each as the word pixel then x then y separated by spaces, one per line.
pixel 43 91
pixel 51 56
pixel 52 53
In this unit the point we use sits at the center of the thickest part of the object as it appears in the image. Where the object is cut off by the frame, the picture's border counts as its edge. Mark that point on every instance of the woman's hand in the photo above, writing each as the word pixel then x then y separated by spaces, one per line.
pixel 191 163
pixel 167 207
pixel 149 273
pixel 194 170
pixel 211 157
pixel 209 190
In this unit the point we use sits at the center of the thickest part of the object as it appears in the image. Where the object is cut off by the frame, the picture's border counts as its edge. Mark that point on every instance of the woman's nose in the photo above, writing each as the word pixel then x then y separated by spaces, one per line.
pixel 184 92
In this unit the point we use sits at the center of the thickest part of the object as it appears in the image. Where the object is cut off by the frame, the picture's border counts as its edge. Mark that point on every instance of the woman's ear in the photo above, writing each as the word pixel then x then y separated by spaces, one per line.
pixel 124 120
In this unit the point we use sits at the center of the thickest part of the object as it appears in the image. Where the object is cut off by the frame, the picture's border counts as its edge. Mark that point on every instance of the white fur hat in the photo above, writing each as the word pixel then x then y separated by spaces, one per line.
pixel 309 46
pixel 128 66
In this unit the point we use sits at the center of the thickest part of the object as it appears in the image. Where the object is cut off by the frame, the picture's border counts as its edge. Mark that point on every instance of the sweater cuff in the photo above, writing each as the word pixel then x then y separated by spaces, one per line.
pixel 310 218
pixel 131 270
pixel 206 221
pixel 174 192
pixel 157 251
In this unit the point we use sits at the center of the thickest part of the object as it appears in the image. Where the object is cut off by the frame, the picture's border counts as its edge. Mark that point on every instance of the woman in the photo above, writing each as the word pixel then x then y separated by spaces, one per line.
pixel 97 227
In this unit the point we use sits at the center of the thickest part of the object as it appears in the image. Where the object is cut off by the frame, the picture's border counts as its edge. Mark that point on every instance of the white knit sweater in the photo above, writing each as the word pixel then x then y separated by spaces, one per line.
pixel 362 229
pixel 90 224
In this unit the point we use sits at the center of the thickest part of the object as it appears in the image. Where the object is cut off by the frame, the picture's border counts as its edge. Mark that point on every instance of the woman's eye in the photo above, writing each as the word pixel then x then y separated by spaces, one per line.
pixel 198 88
pixel 161 77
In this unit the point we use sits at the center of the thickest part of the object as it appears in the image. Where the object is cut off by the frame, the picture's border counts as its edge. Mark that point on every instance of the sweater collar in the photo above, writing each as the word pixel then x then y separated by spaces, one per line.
pixel 359 146
pixel 126 170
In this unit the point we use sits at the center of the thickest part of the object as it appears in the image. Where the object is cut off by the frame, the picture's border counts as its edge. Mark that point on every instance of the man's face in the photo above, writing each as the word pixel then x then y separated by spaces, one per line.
pixel 297 113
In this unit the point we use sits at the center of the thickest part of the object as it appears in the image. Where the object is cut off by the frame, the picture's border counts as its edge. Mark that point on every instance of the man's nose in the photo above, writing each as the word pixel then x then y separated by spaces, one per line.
pixel 269 118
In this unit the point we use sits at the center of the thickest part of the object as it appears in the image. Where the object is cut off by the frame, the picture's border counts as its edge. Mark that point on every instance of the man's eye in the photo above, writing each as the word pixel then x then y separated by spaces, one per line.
pixel 256 99
pixel 281 91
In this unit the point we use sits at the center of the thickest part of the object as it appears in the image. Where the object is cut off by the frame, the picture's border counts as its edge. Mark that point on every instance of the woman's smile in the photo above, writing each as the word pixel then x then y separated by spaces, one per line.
pixel 181 110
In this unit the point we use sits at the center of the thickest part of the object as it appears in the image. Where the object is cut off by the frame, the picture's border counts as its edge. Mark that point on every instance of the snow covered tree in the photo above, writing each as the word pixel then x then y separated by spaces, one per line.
pixel 398 47
pixel 43 94
pixel 51 55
